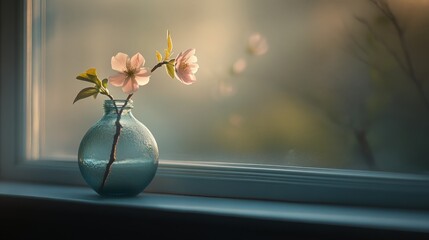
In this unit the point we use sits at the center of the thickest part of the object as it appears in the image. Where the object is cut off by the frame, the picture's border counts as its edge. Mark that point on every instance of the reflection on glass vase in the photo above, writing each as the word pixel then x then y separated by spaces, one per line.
pixel 118 156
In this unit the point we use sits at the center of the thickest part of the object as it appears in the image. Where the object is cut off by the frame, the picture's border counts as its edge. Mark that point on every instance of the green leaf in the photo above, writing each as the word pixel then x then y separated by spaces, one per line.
pixel 169 42
pixel 167 54
pixel 104 83
pixel 83 78
pixel 169 49
pixel 158 56
pixel 89 76
pixel 170 69
pixel 91 72
pixel 86 92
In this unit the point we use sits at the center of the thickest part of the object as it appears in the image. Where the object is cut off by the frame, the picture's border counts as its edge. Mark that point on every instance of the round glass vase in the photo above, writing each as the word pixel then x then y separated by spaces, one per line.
pixel 118 156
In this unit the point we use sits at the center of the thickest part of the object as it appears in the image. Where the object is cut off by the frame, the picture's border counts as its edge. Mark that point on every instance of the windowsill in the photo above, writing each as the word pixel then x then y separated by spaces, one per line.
pixel 386 220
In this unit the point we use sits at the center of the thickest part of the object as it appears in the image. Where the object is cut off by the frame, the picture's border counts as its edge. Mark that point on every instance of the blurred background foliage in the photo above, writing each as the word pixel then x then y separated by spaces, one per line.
pixel 338 84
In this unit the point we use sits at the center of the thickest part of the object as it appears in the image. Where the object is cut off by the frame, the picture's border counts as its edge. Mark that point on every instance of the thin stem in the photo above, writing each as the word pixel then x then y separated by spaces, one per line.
pixel 158 65
pixel 118 125
pixel 115 140
pixel 114 103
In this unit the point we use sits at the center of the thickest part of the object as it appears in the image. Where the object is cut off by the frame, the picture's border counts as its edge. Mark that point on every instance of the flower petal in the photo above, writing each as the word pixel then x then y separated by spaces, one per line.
pixel 193 67
pixel 178 59
pixel 186 66
pixel 180 75
pixel 130 86
pixel 137 61
pixel 193 59
pixel 119 62
pixel 189 79
pixel 188 53
pixel 117 80
pixel 142 76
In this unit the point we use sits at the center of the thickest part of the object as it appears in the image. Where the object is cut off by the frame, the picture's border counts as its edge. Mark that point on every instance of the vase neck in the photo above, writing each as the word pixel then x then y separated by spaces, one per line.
pixel 110 108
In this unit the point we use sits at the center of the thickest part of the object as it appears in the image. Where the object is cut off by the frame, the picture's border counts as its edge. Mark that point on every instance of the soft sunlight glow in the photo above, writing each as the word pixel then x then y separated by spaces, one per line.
pixel 307 83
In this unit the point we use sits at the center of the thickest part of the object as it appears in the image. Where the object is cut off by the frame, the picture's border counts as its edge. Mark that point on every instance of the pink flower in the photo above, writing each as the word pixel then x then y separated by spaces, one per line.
pixel 239 66
pixel 130 74
pixel 257 44
pixel 186 66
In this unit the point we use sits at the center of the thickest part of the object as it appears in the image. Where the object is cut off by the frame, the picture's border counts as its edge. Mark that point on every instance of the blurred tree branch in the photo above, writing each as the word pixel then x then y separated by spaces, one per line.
pixel 408 66
pixel 359 131
pixel 401 56
pixel 382 42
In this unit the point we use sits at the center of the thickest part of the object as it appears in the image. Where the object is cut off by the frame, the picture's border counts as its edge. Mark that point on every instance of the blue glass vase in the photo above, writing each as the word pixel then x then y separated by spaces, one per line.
pixel 118 156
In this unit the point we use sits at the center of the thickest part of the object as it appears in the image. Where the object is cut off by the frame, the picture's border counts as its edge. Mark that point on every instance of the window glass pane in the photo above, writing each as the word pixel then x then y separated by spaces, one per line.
pixel 339 84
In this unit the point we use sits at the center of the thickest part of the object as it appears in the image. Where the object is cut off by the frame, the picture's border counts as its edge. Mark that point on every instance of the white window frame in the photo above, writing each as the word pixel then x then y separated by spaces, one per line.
pixel 215 179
